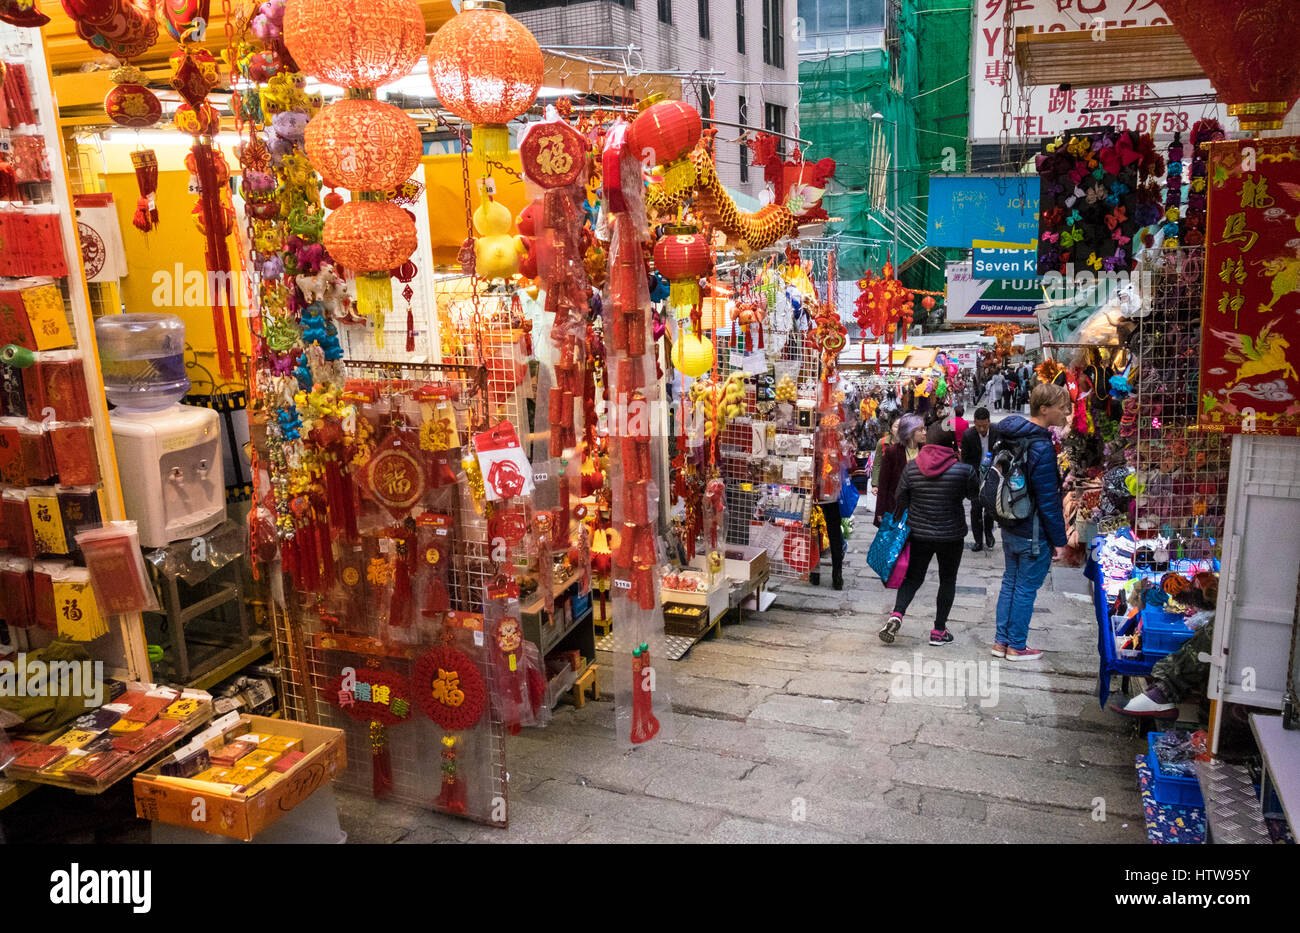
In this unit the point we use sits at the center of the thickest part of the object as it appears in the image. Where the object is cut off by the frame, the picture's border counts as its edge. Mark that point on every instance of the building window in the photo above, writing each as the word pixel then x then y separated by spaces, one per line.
pixel 706 103
pixel 774 33
pixel 774 122
pixel 743 120
pixel 704 18
pixel 836 17
pixel 665 11
pixel 740 29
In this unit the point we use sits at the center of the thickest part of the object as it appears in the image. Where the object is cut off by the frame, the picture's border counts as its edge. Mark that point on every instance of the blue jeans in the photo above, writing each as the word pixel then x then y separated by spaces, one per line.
pixel 1023 576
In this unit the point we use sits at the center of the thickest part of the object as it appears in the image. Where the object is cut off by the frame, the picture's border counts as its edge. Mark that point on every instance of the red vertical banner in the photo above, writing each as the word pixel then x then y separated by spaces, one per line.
pixel 1251 316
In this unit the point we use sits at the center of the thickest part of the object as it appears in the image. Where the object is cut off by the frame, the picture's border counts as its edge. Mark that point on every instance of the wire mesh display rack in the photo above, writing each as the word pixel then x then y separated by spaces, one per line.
pixel 1184 470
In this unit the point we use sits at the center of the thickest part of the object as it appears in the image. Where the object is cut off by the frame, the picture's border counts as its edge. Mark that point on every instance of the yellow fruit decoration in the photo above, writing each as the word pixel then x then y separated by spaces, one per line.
pixel 693 355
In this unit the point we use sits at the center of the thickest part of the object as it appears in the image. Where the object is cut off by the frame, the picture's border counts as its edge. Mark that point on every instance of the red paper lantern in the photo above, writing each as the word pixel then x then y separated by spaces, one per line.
pixel 369 236
pixel 1248 51
pixel 365 145
pixel 928 303
pixel 354 43
pixel 683 257
pixel 130 103
pixel 665 133
pixel 486 68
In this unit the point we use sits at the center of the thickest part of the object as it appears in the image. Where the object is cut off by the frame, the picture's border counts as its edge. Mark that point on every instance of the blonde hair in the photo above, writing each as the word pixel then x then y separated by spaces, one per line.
pixel 1046 395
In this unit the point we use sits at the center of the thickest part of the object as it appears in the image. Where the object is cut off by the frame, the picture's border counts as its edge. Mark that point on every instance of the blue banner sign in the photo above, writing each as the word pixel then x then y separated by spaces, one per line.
pixel 998 209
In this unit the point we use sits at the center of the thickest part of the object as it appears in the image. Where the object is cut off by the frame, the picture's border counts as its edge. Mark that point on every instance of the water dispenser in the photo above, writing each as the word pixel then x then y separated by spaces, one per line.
pixel 168 454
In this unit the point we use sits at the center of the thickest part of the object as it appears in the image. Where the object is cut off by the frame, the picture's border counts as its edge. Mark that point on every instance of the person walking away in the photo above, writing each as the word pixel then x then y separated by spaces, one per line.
pixel 995 387
pixel 911 437
pixel 1009 390
pixel 1030 544
pixel 976 441
pixel 931 490
pixel 828 500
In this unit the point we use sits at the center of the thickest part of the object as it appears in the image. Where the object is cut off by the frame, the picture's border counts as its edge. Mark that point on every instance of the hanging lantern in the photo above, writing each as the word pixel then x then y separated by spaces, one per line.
pixel 693 355
pixel 365 145
pixel 486 68
pixel 682 256
pixel 665 133
pixel 371 238
pixel 1248 51
pixel 354 43
pixel 130 103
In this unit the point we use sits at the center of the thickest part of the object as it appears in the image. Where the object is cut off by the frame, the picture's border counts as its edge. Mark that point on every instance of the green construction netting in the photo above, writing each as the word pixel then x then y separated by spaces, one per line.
pixel 924 90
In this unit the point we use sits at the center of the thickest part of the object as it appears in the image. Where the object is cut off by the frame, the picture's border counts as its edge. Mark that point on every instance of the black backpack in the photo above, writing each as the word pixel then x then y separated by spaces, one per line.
pixel 1004 493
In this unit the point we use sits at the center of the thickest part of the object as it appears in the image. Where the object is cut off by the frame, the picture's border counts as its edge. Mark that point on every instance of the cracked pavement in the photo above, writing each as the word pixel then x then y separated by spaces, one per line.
pixel 799 725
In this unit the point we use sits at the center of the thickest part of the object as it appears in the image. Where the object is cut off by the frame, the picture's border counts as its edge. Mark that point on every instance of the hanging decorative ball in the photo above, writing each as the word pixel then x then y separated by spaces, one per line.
pixel 365 145
pixel 693 355
pixel 332 201
pixel 354 43
pixel 927 302
pixel 664 134
pixel 682 256
pixel 130 103
pixel 369 236
pixel 205 121
pixel 486 68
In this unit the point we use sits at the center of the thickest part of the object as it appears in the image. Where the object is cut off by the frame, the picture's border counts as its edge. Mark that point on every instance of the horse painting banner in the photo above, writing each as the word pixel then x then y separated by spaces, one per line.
pixel 1251 314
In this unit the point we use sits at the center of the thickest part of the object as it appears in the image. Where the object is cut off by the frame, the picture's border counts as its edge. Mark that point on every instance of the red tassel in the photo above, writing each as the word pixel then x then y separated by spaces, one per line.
pixel 381 766
pixel 410 329
pixel 645 726
pixel 399 606
pixel 141 221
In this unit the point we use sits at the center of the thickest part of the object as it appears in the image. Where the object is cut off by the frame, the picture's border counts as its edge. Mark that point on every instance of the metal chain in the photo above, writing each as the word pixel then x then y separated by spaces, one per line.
pixel 469 234
pixel 505 168
pixel 1005 137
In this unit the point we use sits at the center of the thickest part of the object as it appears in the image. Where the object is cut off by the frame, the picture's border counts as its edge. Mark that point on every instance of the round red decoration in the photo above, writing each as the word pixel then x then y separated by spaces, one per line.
pixel 202 122
pixel 130 103
pixel 369 236
pixel 449 688
pixel 365 145
pixel 683 255
pixel 333 201
pixel 354 43
pixel 798 550
pixel 554 153
pixel 664 132
pixel 391 704
pixel 395 475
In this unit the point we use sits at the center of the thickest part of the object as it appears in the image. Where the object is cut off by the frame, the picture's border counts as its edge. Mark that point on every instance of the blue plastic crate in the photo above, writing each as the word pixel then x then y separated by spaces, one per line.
pixel 1172 788
pixel 1162 632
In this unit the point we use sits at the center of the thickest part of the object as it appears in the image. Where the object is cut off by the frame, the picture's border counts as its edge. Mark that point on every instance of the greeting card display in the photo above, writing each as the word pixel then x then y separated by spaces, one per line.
pixel 505 468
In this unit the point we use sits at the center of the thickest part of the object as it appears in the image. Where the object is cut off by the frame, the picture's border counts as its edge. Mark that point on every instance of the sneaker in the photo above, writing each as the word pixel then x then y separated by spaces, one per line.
pixel 1023 654
pixel 1152 703
pixel 940 636
pixel 999 650
pixel 890 628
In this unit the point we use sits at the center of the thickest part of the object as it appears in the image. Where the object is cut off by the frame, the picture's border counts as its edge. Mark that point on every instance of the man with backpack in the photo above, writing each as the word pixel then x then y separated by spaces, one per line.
pixel 1023 488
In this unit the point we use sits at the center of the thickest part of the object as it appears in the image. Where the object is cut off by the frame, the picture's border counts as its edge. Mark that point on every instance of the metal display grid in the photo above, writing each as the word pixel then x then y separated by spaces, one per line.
pixel 1184 469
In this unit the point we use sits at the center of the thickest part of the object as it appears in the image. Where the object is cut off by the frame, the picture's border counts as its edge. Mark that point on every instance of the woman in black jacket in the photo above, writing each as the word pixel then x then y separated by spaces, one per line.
pixel 932 491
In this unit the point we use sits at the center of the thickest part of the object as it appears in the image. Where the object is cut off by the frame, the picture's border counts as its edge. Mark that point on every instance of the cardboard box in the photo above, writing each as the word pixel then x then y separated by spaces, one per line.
pixel 744 562
pixel 225 812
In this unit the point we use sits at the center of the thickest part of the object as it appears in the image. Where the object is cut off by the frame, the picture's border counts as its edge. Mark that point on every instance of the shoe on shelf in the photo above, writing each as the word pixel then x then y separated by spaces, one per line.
pixel 890 629
pixel 1023 654
pixel 940 636
pixel 998 650
pixel 1152 703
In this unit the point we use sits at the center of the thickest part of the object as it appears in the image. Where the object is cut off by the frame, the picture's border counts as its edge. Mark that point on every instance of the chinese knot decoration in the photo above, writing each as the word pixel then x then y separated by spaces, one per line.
pixel 882 304
pixel 449 688
pixel 380 698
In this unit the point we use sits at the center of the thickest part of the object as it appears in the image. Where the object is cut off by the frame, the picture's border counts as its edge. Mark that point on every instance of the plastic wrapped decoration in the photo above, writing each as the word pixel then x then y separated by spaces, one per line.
pixel 642 696
pixel 450 690
pixel 518 683
pixel 377 697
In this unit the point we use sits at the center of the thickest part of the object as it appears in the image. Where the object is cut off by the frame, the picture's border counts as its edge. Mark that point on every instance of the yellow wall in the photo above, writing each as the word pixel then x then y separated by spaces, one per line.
pixel 446 200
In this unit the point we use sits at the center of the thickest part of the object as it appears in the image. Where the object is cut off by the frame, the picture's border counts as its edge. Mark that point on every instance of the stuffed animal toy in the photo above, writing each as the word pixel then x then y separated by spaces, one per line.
pixel 496 252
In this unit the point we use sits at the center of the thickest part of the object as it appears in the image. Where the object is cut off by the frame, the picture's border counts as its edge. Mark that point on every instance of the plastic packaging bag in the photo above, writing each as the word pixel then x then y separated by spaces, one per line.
pixel 117 570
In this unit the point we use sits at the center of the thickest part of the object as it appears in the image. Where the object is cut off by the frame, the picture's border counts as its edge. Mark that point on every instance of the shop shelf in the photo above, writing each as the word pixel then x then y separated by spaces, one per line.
pixel 1162 633
pixel 1172 788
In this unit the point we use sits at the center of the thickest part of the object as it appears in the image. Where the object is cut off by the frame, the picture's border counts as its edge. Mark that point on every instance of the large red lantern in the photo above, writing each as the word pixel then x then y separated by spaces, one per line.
pixel 486 68
pixel 1248 51
pixel 365 145
pixel 354 43
pixel 664 134
pixel 682 256
pixel 130 103
pixel 371 238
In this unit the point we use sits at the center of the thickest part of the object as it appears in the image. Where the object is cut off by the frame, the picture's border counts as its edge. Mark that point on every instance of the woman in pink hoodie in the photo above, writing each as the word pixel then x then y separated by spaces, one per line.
pixel 933 490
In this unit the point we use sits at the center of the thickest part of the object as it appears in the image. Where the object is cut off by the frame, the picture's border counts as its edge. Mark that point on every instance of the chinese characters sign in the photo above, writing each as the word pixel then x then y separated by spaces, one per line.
pixel 1051 111
pixel 1251 316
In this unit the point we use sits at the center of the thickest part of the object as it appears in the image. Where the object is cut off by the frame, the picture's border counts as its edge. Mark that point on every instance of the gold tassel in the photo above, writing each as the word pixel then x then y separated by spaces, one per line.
pixel 490 141
pixel 375 299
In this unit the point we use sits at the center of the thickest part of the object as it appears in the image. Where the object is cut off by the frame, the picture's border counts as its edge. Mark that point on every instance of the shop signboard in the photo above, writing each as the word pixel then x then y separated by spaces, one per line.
pixel 990 300
pixel 966 359
pixel 1005 264
pixel 1049 110
pixel 994 209
pixel 1251 312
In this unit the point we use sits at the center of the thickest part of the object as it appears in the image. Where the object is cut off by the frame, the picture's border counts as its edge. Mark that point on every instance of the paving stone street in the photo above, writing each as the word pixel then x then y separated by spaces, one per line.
pixel 794 726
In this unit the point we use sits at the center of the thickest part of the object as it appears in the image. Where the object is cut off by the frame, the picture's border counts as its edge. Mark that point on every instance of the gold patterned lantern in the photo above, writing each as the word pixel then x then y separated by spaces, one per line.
pixel 354 43
pixel 486 68
pixel 371 238
pixel 365 145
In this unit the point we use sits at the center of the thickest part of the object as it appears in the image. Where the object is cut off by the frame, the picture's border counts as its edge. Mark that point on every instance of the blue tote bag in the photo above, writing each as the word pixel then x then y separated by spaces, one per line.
pixel 887 545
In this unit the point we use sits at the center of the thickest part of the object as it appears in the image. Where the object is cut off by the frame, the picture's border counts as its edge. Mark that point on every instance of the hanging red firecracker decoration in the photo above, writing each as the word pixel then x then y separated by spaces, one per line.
pixel 145 162
pixel 487 69
pixel 365 145
pixel 645 725
pixel 682 256
pixel 664 134
pixel 354 43
pixel 380 698
pixel 130 103
pixel 371 238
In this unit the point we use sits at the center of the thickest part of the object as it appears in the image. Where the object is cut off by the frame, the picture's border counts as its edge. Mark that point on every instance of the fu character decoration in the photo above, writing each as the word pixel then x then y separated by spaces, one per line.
pixel 450 690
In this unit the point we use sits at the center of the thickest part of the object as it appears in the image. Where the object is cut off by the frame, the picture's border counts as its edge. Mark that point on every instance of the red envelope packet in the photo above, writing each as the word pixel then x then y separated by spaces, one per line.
pixel 39 756
pixel 74 453
pixel 95 766
pixel 157 731
pixel 287 761
pixel 147 708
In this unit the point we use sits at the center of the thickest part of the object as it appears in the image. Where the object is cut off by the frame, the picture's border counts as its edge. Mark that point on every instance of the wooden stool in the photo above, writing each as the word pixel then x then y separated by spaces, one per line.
pixel 588 678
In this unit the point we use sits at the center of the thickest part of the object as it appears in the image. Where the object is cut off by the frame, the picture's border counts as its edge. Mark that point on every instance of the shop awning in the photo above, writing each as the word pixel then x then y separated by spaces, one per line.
pixel 1079 59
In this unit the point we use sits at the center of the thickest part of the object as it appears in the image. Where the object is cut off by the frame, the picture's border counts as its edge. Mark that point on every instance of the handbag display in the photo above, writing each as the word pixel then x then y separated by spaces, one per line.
pixel 888 544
